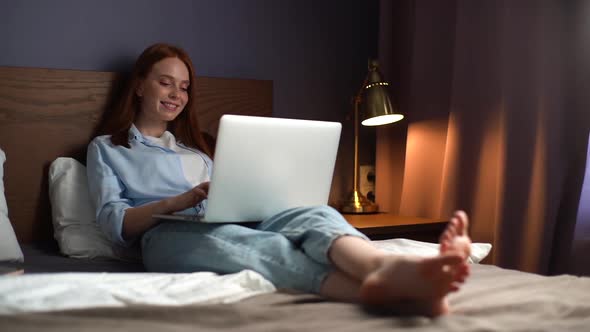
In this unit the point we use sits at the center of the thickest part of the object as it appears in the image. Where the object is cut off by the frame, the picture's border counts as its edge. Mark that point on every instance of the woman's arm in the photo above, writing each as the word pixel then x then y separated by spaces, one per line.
pixel 116 215
pixel 139 219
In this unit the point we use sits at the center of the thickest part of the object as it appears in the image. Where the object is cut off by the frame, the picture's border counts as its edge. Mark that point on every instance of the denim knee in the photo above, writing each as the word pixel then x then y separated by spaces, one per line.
pixel 229 248
pixel 314 229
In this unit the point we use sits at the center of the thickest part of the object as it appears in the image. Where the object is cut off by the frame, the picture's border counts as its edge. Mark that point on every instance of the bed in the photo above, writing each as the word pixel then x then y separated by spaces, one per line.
pixel 47 114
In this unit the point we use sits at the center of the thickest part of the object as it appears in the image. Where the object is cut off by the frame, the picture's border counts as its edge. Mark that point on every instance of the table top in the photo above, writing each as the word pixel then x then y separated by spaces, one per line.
pixel 375 220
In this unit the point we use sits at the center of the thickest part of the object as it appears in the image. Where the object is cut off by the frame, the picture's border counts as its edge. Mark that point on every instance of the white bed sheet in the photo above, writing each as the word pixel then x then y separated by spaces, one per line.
pixel 62 291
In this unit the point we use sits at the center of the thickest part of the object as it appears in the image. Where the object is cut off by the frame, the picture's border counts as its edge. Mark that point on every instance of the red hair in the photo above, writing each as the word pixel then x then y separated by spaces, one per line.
pixel 185 126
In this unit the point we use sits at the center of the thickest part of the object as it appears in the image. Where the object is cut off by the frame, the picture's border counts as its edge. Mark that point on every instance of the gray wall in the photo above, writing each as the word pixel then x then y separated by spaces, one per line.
pixel 314 51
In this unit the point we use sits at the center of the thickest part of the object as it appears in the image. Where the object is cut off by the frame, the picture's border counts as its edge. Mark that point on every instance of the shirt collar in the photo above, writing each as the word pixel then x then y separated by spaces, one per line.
pixel 135 134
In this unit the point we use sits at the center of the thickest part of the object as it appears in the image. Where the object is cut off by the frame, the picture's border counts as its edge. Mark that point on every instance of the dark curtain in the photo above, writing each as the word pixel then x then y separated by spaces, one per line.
pixel 496 100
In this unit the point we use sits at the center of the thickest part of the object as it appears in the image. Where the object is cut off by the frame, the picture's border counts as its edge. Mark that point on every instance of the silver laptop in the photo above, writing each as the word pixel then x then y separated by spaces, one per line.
pixel 266 165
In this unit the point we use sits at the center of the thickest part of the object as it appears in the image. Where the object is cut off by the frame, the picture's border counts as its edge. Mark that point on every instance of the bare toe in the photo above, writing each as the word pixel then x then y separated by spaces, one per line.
pixel 448 235
pixel 462 222
pixel 455 237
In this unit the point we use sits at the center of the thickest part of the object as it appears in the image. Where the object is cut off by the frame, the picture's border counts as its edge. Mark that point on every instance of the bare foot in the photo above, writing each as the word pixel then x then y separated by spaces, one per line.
pixel 414 285
pixel 455 238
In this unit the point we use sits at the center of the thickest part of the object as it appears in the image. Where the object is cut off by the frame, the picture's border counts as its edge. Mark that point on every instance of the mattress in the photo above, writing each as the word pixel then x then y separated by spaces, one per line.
pixel 45 258
pixel 493 299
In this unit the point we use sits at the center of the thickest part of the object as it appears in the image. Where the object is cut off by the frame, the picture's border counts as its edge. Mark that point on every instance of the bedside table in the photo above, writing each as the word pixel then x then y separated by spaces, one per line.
pixel 381 226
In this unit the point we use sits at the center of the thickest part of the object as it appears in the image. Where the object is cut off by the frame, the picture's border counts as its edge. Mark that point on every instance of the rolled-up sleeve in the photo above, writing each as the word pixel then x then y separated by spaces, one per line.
pixel 106 193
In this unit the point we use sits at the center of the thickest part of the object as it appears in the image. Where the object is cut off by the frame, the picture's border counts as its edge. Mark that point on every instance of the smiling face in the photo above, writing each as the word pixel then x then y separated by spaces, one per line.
pixel 163 94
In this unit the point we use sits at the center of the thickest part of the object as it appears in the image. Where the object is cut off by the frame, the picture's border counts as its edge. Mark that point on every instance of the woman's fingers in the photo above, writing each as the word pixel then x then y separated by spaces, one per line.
pixel 190 198
pixel 198 195
pixel 204 186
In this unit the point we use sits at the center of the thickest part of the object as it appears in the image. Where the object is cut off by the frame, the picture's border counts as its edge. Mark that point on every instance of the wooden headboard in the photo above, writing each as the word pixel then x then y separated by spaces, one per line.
pixel 49 113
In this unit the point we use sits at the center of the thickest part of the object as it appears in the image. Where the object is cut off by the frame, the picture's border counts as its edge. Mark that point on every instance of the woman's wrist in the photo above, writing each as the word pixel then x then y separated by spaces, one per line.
pixel 165 206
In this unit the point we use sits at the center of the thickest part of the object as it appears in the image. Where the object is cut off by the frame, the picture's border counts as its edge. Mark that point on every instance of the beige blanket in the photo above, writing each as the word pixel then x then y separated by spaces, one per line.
pixel 493 299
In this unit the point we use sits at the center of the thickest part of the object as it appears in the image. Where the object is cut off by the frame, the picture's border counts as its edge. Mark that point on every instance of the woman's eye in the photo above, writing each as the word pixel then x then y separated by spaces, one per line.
pixel 164 83
pixel 184 89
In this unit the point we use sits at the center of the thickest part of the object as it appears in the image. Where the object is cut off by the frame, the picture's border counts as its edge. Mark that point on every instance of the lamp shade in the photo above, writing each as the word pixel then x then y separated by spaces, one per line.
pixel 377 108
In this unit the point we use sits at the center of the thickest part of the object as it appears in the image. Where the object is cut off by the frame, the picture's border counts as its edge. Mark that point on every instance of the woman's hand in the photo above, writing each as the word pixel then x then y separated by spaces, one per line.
pixel 139 219
pixel 189 198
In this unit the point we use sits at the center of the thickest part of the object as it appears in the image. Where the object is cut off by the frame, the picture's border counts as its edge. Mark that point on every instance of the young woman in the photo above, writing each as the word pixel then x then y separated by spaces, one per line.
pixel 153 160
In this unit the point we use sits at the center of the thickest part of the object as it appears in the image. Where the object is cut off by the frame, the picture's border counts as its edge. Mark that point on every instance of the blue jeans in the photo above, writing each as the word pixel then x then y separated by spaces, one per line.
pixel 290 249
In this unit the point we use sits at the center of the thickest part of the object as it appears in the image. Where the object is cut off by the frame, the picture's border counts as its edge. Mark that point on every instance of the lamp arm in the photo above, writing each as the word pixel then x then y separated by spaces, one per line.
pixel 357 101
pixel 356 202
pixel 357 97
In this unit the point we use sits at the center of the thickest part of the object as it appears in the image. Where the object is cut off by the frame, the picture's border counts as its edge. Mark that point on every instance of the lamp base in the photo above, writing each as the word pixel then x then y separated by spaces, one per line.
pixel 358 203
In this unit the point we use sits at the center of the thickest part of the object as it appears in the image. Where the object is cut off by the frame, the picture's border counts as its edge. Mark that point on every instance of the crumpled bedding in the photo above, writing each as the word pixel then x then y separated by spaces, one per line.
pixel 61 291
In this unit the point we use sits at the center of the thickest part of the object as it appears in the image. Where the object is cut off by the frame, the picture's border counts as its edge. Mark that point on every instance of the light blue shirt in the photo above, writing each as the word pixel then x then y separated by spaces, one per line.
pixel 120 178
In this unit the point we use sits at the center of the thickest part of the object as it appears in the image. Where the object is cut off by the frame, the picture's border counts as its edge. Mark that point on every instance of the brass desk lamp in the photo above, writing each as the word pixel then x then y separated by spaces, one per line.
pixel 377 110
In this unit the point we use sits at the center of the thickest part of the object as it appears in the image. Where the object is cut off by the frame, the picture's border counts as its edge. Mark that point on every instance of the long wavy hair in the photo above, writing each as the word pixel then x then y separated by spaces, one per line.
pixel 185 126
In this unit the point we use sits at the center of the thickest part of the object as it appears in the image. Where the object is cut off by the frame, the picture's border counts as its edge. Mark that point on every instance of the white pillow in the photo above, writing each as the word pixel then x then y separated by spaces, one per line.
pixel 73 215
pixel 479 251
pixel 9 249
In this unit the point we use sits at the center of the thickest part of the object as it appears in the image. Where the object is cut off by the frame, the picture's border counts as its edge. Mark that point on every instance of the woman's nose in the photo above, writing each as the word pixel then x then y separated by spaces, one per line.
pixel 174 93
